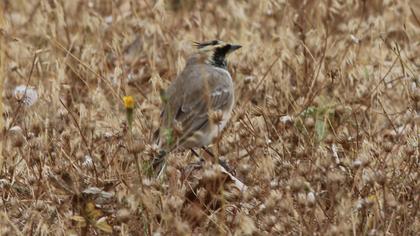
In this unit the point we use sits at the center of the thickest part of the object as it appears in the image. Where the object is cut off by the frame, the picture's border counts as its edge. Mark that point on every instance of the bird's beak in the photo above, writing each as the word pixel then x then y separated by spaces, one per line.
pixel 234 47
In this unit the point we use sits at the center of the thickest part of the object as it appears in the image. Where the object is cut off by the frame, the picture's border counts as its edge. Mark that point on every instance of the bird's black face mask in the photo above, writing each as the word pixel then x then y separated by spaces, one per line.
pixel 220 53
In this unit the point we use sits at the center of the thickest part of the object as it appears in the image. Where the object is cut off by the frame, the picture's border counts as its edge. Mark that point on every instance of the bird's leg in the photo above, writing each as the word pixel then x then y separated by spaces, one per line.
pixel 200 161
pixel 211 156
pixel 194 153
pixel 208 152
pixel 221 162
pixel 158 163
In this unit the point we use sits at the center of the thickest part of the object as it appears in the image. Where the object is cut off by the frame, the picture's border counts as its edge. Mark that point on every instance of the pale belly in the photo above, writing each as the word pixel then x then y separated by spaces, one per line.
pixel 205 137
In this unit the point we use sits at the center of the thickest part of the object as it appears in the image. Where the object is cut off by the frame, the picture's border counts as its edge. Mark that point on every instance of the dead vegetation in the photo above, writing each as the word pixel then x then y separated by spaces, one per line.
pixel 325 132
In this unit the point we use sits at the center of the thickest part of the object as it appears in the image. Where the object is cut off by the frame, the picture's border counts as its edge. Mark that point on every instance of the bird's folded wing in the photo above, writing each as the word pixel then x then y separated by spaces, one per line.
pixel 193 113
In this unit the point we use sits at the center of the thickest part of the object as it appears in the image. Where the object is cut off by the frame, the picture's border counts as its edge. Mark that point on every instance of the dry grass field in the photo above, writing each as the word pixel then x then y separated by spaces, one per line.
pixel 324 134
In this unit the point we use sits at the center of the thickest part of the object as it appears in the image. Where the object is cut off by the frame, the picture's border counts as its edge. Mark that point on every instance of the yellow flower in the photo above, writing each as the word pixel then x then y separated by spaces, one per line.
pixel 129 109
pixel 372 198
pixel 128 102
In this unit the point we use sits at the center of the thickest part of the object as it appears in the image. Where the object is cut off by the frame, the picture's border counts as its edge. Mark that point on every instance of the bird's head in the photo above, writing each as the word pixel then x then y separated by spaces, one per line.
pixel 216 51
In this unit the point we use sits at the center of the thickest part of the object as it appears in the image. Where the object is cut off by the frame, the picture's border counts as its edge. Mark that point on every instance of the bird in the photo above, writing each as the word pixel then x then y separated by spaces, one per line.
pixel 198 103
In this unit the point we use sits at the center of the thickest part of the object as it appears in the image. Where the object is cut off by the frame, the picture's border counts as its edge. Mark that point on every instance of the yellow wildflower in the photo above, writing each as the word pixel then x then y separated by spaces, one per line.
pixel 128 102
pixel 129 109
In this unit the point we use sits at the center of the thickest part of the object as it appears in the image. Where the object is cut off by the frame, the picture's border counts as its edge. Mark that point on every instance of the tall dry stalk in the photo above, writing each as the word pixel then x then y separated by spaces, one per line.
pixel 2 75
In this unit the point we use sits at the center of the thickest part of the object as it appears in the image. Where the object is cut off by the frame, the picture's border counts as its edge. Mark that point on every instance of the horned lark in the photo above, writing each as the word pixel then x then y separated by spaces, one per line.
pixel 198 103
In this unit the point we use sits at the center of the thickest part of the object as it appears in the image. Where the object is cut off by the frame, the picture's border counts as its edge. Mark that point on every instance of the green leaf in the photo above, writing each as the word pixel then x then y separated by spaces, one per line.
pixel 310 111
pixel 91 212
pixel 366 73
pixel 320 129
pixel 169 136
pixel 163 96
pixel 81 222
pixel 129 114
pixel 72 233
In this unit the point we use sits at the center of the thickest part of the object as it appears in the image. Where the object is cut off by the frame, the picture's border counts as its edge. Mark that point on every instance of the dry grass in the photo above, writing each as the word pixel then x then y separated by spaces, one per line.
pixel 325 132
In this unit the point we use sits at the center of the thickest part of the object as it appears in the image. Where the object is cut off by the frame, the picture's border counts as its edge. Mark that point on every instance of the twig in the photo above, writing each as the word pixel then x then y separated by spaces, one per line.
pixel 386 74
pixel 2 79
pixel 398 54
pixel 86 66
pixel 268 71
pixel 15 114
pixel 320 62
pixel 247 99
pixel 415 16
pixel 83 139
pixel 387 116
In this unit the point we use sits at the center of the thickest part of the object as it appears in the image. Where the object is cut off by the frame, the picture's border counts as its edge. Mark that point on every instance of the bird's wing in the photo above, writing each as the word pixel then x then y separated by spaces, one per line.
pixel 196 117
pixel 192 96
